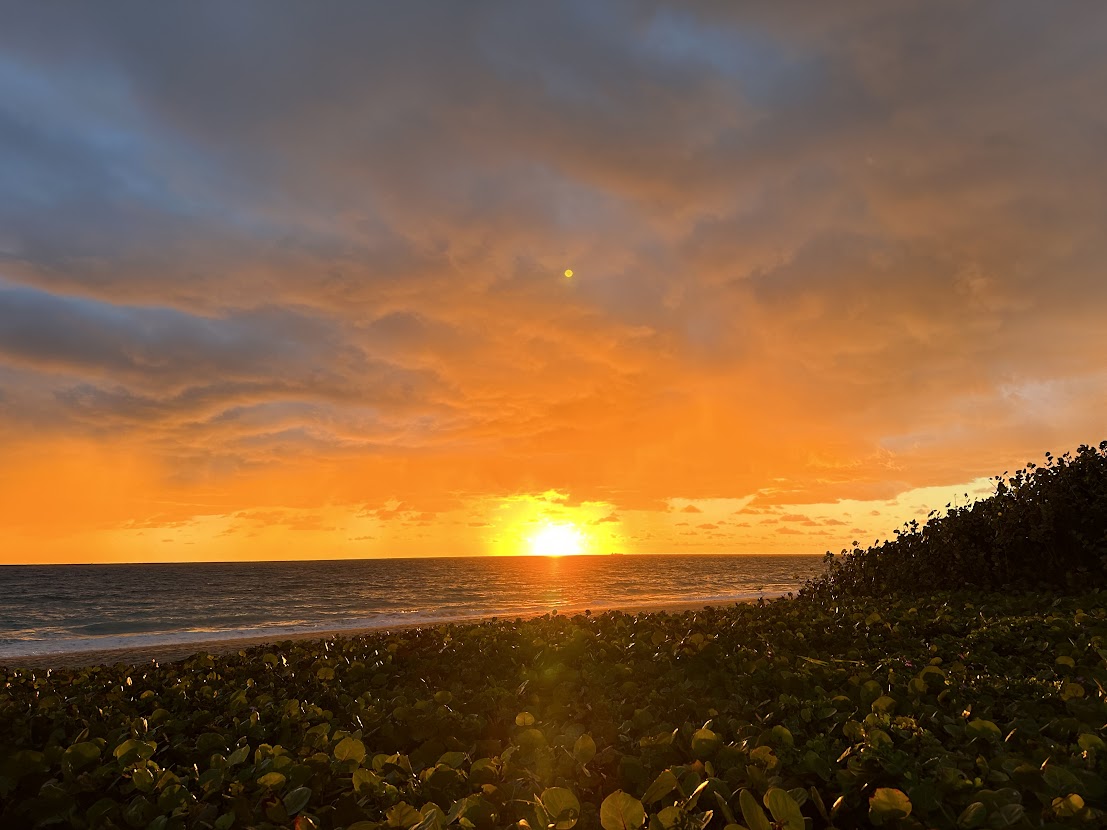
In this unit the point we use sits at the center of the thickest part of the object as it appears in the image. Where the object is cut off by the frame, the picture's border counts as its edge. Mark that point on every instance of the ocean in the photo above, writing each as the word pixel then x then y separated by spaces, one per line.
pixel 68 608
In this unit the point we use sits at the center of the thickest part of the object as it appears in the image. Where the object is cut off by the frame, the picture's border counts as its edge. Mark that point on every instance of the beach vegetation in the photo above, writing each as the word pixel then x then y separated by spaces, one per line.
pixel 1044 527
pixel 949 709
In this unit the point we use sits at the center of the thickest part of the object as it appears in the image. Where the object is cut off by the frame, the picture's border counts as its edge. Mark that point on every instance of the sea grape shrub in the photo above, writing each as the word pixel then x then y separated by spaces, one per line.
pixel 951 710
pixel 1045 526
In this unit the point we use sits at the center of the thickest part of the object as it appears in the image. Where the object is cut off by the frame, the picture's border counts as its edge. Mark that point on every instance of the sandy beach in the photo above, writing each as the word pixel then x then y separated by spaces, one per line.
pixel 172 652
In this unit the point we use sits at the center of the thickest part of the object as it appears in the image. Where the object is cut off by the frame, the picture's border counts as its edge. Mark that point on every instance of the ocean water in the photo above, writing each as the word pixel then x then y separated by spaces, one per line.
pixel 63 608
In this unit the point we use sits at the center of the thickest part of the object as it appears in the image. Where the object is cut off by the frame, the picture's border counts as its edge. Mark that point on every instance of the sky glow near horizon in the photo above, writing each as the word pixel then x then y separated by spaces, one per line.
pixel 283 281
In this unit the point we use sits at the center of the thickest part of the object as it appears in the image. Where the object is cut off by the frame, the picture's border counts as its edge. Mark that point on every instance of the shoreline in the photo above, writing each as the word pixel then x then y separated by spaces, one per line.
pixel 217 645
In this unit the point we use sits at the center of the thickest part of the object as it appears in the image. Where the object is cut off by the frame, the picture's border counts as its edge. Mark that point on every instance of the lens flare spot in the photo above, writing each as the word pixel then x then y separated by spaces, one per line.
pixel 568 272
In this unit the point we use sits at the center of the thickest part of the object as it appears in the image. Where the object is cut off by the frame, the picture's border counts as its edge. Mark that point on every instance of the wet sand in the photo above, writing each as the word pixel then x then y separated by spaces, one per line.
pixel 172 652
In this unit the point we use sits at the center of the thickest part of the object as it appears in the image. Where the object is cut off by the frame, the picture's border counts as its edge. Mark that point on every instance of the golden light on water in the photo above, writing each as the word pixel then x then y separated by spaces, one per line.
pixel 557 540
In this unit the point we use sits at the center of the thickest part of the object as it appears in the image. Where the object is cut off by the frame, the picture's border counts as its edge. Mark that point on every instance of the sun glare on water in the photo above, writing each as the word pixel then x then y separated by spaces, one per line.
pixel 557 540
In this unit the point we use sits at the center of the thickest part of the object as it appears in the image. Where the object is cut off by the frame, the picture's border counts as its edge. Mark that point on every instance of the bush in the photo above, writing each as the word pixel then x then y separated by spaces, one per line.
pixel 1045 526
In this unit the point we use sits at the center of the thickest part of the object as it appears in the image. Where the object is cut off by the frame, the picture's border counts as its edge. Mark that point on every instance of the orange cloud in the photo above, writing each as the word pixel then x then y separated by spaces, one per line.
pixel 314 295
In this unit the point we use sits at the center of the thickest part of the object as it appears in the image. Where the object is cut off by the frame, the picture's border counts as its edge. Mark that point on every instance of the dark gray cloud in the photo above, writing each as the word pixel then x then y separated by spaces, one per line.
pixel 39 327
pixel 193 382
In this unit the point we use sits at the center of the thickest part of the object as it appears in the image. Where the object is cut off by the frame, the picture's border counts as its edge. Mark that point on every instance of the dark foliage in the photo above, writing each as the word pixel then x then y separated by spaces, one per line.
pixel 1045 527
pixel 948 711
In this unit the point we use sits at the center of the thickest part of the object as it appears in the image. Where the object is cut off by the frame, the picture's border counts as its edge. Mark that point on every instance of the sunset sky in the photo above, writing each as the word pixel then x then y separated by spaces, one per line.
pixel 288 280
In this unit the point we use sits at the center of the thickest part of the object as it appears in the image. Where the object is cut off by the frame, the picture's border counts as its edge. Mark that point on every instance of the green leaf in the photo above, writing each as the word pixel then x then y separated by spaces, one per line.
pixel 80 755
pixel 621 811
pixel 210 742
pixel 584 750
pixel 563 807
pixel 433 818
pixel 752 813
pixel 454 760
pixel 483 771
pixel 979 728
pixel 530 739
pixel 764 755
pixel 785 809
pixel 143 780
pixel 350 749
pixel 239 755
pixel 664 784
pixel 853 730
pixel 671 818
pixel 364 779
pixel 782 736
pixel 888 803
pixel 660 740
pixel 1068 806
pixel 475 810
pixel 524 719
pixel 877 737
pixel 724 806
pixel 1071 691
pixel 870 691
pixel 972 816
pixel 296 800
pixel 1088 742
pixel 705 743
pixel 134 750
pixel 820 805
pixel 272 780
pixel 884 705
pixel 403 815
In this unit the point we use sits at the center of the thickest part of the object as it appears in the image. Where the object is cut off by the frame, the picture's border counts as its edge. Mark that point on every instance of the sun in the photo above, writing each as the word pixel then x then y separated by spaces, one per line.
pixel 557 540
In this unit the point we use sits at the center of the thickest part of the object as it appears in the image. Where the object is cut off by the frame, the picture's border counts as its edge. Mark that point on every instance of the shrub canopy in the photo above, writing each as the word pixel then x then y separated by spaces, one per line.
pixel 1044 527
